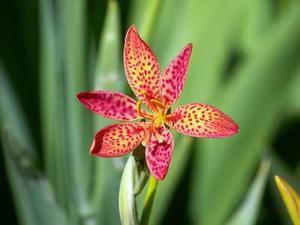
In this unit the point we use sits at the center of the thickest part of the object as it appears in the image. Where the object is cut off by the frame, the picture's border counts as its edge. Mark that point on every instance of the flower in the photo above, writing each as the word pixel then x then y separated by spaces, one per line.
pixel 290 198
pixel 157 93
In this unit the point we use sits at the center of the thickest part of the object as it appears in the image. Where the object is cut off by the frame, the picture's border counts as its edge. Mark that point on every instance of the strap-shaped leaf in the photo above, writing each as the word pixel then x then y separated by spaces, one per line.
pixel 290 198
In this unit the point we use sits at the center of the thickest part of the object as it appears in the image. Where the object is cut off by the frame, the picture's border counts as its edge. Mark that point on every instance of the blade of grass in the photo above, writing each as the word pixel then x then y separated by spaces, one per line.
pixel 144 15
pixel 258 22
pixel 51 95
pixel 294 95
pixel 248 212
pixel 11 115
pixel 108 64
pixel 127 206
pixel 30 188
pixel 279 167
pixel 290 198
pixel 72 46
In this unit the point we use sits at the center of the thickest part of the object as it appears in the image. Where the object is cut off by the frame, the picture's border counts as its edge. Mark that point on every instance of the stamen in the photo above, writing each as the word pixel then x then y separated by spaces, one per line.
pixel 158 103
pixel 142 113
pixel 172 117
pixel 138 108
pixel 147 137
pixel 159 137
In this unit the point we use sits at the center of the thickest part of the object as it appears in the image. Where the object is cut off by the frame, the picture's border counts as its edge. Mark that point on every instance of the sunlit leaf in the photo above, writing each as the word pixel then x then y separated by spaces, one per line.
pixel 290 198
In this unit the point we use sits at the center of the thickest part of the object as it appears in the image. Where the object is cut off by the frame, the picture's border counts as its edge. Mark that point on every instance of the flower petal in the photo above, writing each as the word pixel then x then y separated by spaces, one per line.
pixel 158 155
pixel 109 104
pixel 141 66
pixel 202 120
pixel 290 198
pixel 118 139
pixel 174 76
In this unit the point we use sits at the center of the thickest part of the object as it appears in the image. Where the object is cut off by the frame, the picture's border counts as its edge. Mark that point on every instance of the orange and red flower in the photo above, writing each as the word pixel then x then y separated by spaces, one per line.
pixel 157 93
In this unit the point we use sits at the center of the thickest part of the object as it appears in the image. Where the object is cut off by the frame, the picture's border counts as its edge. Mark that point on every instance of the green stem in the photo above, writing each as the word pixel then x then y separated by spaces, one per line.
pixel 149 200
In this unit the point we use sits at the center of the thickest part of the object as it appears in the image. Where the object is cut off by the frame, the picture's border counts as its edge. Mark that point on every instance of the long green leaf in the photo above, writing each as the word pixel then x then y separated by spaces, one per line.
pixel 294 95
pixel 30 187
pixel 248 212
pixel 51 95
pixel 71 42
pixel 279 167
pixel 127 208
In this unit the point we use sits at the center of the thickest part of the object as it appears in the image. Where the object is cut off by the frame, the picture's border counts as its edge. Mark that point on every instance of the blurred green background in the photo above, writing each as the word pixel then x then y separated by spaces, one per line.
pixel 245 61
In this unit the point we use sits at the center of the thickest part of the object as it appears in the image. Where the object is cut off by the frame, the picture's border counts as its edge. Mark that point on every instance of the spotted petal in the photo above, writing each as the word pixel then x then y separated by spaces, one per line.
pixel 158 155
pixel 141 67
pixel 202 120
pixel 109 104
pixel 118 139
pixel 174 76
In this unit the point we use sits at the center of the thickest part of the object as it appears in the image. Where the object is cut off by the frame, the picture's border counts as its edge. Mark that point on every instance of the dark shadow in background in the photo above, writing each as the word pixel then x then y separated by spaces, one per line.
pixel 287 143
pixel 8 215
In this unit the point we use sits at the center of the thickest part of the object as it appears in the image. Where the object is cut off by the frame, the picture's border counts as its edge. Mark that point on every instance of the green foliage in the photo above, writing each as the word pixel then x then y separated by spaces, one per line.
pixel 127 207
pixel 248 212
pixel 245 61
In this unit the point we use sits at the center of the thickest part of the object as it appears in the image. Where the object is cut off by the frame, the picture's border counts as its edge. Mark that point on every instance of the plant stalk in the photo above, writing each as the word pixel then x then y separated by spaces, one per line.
pixel 152 186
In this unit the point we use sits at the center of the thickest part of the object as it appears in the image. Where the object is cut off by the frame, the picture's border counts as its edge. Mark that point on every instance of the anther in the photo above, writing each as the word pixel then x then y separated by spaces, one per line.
pixel 138 108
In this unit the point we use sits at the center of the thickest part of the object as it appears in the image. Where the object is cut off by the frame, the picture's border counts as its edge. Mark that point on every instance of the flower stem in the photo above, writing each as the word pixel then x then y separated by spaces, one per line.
pixel 149 200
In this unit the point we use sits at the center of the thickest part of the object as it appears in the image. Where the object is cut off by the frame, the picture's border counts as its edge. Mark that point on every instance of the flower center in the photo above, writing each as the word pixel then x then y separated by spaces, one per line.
pixel 159 119
pixel 158 116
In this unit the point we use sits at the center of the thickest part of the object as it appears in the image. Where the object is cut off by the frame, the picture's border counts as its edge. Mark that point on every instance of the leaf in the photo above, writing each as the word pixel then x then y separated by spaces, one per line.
pixel 107 75
pixel 144 15
pixel 294 95
pixel 29 186
pixel 248 212
pixel 52 104
pixel 290 198
pixel 71 43
pixel 127 209
pixel 257 24
pixel 280 167
pixel 11 115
